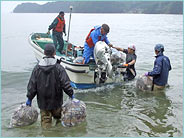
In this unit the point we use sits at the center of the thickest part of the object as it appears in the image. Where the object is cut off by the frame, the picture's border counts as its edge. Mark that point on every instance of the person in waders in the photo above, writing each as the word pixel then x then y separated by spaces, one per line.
pixel 48 81
pixel 161 69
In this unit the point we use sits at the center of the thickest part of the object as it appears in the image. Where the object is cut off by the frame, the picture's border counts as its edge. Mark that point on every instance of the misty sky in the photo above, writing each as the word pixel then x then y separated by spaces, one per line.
pixel 8 6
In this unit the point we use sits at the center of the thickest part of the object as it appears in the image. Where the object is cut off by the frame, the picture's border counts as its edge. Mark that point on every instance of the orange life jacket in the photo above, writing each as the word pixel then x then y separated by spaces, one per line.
pixel 60 25
pixel 89 40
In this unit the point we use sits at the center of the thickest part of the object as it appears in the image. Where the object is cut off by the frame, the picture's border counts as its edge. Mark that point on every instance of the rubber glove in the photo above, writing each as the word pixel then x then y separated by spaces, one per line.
pixel 126 65
pixel 28 102
pixel 72 97
pixel 146 74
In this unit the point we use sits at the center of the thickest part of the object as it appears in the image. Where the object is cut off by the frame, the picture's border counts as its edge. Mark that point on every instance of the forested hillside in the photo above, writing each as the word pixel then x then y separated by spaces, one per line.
pixel 155 7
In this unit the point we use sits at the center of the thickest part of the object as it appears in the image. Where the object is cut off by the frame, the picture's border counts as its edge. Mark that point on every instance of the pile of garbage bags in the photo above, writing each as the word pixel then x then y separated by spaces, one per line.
pixel 144 83
pixel 73 113
pixel 23 116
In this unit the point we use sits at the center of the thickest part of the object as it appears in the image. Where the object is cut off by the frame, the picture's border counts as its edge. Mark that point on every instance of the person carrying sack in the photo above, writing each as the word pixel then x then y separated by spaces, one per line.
pixel 161 69
pixel 48 81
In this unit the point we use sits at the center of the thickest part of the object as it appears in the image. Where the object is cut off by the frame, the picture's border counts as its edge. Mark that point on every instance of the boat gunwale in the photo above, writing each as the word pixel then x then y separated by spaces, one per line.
pixel 37 47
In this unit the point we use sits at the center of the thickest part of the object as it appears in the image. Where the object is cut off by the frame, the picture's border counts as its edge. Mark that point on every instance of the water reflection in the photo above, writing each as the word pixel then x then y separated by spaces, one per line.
pixel 150 113
pixel 112 111
pixel 125 111
pixel 60 131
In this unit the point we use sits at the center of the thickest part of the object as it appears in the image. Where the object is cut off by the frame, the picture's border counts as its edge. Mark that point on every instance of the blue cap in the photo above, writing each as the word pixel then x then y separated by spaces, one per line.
pixel 159 47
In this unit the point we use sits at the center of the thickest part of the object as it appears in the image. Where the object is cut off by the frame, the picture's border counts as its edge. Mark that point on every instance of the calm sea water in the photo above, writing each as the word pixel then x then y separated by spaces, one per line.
pixel 114 110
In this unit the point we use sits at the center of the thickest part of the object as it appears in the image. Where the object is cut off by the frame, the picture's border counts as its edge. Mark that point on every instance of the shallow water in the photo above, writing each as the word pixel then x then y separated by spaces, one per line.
pixel 113 110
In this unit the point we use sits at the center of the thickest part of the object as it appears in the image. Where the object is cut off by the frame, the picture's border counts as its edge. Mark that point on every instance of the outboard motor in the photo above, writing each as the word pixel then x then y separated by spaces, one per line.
pixel 102 58
pixel 107 62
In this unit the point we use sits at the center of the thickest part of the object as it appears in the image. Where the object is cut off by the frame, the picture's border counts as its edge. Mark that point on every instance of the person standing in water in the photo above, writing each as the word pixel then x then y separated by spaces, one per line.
pixel 161 68
pixel 130 61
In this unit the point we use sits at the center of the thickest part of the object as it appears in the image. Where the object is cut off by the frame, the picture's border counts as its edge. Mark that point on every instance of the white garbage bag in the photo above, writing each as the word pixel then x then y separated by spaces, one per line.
pixel 144 83
pixel 78 60
pixel 117 57
pixel 23 116
pixel 73 112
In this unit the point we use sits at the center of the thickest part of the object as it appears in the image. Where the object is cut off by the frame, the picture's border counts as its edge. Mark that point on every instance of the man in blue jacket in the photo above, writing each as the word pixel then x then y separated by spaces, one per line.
pixel 161 68
pixel 98 33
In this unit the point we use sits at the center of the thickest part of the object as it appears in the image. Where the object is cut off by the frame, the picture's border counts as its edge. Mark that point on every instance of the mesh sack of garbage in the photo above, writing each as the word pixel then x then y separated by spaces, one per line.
pixel 78 60
pixel 23 116
pixel 117 57
pixel 73 112
pixel 144 83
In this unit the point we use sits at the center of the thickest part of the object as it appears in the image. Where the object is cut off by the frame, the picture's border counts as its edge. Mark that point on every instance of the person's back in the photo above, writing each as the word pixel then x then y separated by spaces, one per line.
pixel 162 78
pixel 161 69
pixel 48 80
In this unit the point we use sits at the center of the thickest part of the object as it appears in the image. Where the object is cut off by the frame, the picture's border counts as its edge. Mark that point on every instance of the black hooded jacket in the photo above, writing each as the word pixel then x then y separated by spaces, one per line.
pixel 48 80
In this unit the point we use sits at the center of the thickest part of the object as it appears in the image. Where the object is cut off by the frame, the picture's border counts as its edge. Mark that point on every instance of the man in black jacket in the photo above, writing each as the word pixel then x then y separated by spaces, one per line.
pixel 48 80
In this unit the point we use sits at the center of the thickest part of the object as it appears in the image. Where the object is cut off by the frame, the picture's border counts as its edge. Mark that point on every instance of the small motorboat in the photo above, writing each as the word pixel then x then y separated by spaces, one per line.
pixel 104 69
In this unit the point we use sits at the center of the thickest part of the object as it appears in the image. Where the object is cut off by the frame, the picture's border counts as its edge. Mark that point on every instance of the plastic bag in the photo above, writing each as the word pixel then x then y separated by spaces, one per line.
pixel 117 57
pixel 73 113
pixel 78 60
pixel 144 83
pixel 23 116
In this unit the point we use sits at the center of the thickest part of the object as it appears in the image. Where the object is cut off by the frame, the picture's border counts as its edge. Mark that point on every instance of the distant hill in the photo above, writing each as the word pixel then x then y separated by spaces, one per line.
pixel 153 7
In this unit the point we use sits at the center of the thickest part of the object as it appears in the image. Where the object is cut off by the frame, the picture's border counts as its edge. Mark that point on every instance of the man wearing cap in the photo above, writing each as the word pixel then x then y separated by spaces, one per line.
pixel 130 61
pixel 161 69
pixel 58 28
pixel 98 33
pixel 47 81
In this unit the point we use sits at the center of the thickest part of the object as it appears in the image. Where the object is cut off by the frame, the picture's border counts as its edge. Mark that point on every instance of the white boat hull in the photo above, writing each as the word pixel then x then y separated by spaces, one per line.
pixel 80 75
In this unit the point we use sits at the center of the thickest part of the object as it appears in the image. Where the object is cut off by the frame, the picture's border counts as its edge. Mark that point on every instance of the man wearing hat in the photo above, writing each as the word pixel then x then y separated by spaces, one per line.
pixel 48 81
pixel 98 33
pixel 130 61
pixel 58 28
pixel 161 69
